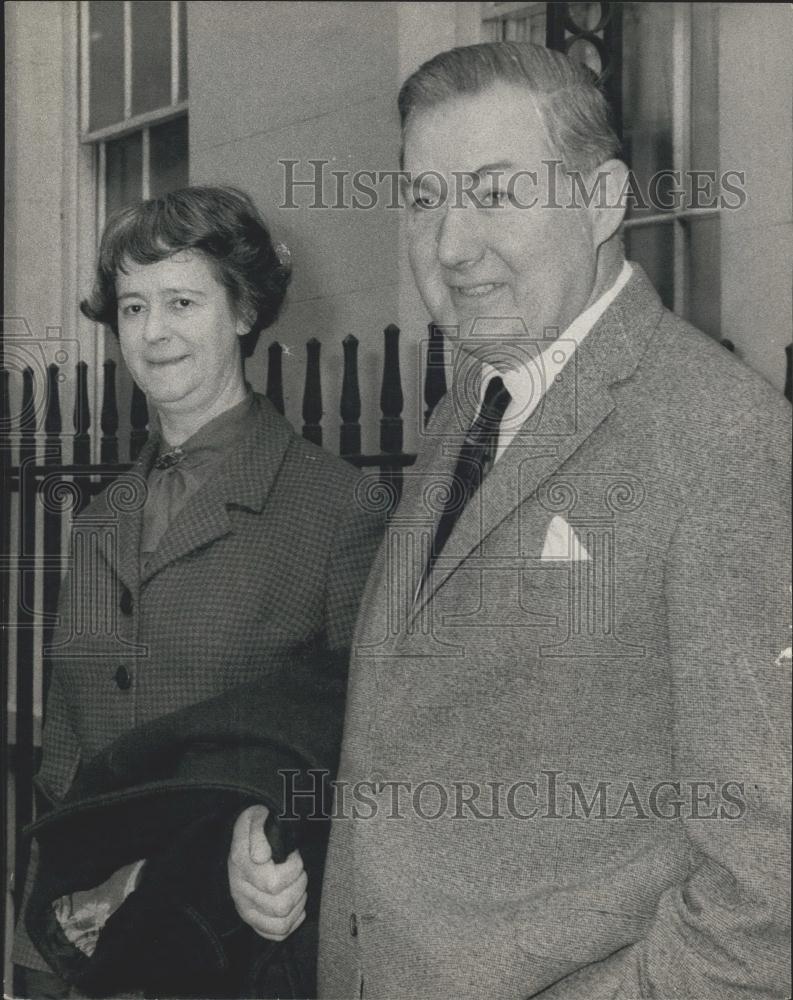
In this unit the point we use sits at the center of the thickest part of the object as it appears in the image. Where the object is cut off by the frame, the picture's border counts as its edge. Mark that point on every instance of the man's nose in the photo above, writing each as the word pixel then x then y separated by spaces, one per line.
pixel 459 241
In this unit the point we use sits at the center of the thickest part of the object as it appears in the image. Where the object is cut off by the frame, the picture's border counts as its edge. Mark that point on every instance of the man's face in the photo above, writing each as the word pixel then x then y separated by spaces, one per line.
pixel 482 257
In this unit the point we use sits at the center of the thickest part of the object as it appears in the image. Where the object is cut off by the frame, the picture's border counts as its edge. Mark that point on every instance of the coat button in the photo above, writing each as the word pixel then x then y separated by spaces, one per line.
pixel 125 603
pixel 123 678
pixel 353 925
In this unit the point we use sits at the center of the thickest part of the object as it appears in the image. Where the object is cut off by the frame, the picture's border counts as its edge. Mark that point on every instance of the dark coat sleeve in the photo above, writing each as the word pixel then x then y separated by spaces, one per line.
pixel 169 791
pixel 61 757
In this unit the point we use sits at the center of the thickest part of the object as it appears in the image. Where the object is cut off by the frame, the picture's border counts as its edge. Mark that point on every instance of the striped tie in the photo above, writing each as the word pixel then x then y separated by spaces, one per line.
pixel 473 463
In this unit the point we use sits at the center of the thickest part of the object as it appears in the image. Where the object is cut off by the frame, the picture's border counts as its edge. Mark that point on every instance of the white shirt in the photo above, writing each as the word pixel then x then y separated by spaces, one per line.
pixel 527 385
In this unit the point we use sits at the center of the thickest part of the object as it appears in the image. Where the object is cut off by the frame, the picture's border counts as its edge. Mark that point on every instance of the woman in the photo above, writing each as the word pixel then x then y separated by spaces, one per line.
pixel 235 556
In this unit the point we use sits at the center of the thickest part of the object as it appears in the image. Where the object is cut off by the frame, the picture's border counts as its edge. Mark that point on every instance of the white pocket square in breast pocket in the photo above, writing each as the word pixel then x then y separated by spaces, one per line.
pixel 562 544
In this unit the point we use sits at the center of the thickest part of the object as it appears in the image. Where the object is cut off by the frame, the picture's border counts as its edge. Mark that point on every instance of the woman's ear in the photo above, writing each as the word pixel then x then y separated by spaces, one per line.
pixel 245 320
pixel 610 181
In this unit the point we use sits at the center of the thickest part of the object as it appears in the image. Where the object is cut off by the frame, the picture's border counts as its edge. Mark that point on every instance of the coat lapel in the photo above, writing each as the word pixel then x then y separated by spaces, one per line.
pixel 413 525
pixel 571 410
pixel 119 509
pixel 243 480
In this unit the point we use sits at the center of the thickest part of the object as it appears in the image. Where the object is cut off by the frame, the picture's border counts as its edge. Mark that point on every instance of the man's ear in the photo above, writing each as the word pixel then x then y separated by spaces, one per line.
pixel 608 207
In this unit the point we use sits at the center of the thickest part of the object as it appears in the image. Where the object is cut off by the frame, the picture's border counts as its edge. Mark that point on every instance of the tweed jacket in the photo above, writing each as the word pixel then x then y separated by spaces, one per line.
pixel 566 760
pixel 272 553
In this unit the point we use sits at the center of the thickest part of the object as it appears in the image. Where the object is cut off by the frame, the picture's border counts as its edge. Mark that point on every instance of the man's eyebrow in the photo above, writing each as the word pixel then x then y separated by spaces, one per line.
pixel 481 172
pixel 492 168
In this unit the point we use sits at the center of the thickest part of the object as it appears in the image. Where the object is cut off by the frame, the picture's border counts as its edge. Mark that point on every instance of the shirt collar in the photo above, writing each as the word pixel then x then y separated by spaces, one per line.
pixel 522 382
pixel 581 326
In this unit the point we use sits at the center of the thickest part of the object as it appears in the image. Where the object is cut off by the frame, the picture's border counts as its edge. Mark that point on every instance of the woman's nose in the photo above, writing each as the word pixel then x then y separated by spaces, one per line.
pixel 155 325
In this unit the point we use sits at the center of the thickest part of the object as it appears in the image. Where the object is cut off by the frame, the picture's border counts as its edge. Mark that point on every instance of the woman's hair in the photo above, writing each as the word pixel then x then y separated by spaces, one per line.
pixel 574 111
pixel 223 224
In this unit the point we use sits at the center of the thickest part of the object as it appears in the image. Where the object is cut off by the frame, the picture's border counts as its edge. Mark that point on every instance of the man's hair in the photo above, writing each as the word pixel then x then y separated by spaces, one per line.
pixel 571 107
pixel 223 224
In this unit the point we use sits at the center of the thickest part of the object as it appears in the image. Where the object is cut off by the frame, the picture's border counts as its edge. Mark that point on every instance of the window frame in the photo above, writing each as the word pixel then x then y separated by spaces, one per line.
pixel 98 138
pixel 85 213
pixel 680 218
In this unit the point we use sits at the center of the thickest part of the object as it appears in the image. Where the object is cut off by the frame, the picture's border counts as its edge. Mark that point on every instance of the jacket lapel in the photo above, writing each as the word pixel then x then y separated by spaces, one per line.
pixel 119 510
pixel 398 565
pixel 244 480
pixel 413 525
pixel 571 410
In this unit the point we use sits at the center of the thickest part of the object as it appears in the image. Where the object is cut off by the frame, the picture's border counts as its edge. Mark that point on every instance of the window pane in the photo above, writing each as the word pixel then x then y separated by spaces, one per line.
pixel 530 28
pixel 647 90
pixel 168 156
pixel 151 55
pixel 123 184
pixel 106 59
pixel 183 51
pixel 647 139
pixel 526 23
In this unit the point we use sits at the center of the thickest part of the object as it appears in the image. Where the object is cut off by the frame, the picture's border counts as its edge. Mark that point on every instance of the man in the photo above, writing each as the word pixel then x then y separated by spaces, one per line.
pixel 564 770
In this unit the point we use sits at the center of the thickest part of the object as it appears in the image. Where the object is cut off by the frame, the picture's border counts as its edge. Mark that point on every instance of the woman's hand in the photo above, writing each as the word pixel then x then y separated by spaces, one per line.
pixel 269 897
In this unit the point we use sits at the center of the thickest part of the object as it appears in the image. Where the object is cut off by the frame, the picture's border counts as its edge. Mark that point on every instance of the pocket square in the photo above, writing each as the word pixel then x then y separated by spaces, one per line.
pixel 562 544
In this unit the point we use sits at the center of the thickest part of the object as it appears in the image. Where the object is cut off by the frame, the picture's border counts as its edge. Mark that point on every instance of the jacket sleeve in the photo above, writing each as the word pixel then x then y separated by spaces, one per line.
pixel 358 537
pixel 724 932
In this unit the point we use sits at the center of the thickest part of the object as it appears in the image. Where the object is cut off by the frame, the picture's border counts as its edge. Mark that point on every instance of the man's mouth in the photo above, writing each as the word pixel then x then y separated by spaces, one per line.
pixel 164 362
pixel 476 291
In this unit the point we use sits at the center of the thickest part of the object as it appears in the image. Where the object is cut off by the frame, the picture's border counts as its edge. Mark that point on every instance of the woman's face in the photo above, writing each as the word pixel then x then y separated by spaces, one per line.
pixel 179 333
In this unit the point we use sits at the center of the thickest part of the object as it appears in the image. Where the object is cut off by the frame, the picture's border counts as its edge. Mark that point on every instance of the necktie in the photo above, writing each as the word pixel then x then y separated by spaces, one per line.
pixel 473 463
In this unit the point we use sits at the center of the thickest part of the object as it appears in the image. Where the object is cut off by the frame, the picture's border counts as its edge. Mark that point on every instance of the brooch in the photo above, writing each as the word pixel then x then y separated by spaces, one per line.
pixel 169 458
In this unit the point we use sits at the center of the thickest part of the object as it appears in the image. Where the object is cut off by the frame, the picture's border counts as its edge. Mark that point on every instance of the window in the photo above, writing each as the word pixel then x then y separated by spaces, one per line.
pixel 578 27
pixel 133 99
pixel 666 103
pixel 514 22
pixel 134 127
pixel 671 124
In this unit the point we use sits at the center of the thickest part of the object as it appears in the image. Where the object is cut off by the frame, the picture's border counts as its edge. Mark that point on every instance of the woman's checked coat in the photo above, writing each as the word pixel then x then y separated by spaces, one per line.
pixel 272 553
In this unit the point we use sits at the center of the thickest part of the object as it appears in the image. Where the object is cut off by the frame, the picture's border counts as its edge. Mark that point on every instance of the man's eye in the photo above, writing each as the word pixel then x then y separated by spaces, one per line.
pixel 422 202
pixel 183 303
pixel 133 309
pixel 494 199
